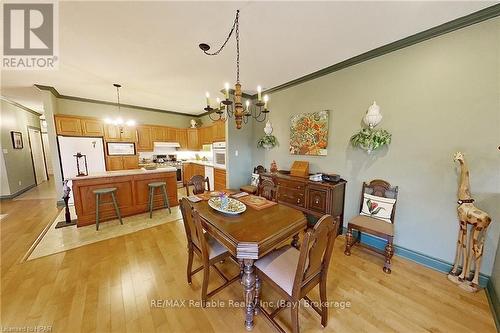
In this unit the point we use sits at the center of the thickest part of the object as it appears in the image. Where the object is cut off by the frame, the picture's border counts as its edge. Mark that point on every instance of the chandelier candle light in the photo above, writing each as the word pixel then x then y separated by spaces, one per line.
pixel 227 108
pixel 118 121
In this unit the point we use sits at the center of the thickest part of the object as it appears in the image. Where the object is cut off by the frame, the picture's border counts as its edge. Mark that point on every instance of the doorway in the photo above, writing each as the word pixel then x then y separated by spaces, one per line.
pixel 37 154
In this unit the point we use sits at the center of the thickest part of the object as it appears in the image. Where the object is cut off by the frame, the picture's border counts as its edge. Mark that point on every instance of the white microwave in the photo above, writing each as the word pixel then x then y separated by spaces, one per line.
pixel 120 148
pixel 219 154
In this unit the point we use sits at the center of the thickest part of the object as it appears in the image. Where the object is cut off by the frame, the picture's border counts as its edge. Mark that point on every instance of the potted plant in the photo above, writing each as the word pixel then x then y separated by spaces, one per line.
pixel 268 141
pixel 370 139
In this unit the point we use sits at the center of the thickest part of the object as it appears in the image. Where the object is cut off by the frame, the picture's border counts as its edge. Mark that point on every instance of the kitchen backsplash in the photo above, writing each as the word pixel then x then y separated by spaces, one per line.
pixel 181 155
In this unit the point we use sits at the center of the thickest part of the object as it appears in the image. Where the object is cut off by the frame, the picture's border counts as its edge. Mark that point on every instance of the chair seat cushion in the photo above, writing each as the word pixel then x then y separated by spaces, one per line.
pixel 214 247
pixel 373 224
pixel 280 266
pixel 104 190
pixel 157 184
pixel 249 189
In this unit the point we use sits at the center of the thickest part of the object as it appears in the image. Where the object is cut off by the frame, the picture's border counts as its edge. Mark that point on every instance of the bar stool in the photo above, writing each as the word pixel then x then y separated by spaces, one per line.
pixel 98 193
pixel 163 187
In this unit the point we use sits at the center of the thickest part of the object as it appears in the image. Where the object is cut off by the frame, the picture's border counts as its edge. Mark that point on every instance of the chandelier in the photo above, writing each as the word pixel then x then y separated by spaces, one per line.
pixel 118 121
pixel 227 108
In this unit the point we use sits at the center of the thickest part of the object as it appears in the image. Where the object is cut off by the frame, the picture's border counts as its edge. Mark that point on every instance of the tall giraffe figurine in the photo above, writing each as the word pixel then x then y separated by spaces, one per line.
pixel 468 214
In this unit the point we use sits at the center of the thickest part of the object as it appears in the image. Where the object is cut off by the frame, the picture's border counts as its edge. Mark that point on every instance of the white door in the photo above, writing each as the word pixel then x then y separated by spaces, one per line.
pixel 35 139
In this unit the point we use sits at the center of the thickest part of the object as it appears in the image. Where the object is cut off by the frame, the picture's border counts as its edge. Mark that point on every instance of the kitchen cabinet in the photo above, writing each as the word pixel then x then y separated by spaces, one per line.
pixel 128 134
pixel 219 180
pixel 157 134
pixel 169 134
pixel 130 162
pixel 181 137
pixel 192 139
pixel 114 163
pixel 67 125
pixel 113 133
pixel 92 127
pixel 198 169
pixel 187 171
pixel 144 142
pixel 206 136
pixel 219 131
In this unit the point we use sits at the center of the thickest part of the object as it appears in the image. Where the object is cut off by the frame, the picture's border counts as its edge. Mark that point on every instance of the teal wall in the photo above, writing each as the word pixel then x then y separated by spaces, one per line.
pixel 17 162
pixel 437 97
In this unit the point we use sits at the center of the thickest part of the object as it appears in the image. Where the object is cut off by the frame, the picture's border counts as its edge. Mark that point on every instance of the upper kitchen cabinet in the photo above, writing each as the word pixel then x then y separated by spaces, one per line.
pixel 113 133
pixel 157 134
pixel 205 135
pixel 192 139
pixel 92 127
pixel 169 134
pixel 181 137
pixel 144 142
pixel 128 134
pixel 219 131
pixel 67 125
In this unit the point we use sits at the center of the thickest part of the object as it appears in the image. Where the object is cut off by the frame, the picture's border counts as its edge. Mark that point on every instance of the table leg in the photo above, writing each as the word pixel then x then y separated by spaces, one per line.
pixel 248 281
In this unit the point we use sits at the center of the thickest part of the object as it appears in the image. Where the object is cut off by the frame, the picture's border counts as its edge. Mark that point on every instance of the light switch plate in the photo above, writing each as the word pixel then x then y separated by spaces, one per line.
pixel 5 151
pixel 235 153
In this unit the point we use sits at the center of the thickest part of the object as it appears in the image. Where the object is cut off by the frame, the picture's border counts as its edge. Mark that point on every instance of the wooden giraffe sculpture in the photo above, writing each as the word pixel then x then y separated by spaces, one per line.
pixel 468 214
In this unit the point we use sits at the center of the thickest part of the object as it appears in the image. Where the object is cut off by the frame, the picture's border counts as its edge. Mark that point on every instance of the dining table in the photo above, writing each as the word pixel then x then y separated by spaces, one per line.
pixel 249 236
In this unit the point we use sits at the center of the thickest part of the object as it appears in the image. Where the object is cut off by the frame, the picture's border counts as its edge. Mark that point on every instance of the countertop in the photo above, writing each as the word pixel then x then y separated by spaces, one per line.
pixel 118 173
pixel 205 163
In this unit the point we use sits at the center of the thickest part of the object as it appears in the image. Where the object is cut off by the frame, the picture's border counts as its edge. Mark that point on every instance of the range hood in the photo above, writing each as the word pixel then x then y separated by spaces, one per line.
pixel 166 145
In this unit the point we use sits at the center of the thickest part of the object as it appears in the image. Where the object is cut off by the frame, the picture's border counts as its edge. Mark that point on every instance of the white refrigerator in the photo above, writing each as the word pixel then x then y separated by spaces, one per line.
pixel 93 148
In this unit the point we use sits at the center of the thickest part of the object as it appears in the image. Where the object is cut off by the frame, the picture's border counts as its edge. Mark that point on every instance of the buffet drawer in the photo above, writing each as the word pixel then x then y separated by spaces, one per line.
pixel 291 196
pixel 291 184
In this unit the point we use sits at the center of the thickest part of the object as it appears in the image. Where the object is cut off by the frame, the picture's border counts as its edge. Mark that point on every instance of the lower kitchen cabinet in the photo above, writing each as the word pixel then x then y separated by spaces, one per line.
pixel 219 180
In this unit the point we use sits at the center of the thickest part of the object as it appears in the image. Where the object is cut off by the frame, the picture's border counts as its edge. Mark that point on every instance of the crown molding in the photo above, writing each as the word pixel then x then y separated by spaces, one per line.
pixel 88 100
pixel 25 108
pixel 459 23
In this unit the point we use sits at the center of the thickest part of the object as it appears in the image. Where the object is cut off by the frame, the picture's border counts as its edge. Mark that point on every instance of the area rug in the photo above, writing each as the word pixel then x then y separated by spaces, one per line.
pixel 67 238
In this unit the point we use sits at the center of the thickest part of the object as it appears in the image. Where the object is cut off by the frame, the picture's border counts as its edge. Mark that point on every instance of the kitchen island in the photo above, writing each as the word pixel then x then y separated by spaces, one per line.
pixel 132 192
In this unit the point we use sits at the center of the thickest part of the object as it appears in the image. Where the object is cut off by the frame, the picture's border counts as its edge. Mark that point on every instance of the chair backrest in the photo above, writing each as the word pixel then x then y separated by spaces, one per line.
pixel 380 188
pixel 198 183
pixel 316 251
pixel 194 230
pixel 259 169
pixel 267 188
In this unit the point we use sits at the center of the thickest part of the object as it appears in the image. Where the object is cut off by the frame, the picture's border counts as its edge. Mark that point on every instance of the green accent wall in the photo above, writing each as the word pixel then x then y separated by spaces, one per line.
pixel 17 163
pixel 437 97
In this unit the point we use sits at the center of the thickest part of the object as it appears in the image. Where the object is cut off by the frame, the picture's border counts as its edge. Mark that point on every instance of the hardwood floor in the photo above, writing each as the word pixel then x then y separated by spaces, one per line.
pixel 109 286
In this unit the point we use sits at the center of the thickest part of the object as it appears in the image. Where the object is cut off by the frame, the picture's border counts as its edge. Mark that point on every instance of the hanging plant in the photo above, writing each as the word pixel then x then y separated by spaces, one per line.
pixel 268 141
pixel 370 139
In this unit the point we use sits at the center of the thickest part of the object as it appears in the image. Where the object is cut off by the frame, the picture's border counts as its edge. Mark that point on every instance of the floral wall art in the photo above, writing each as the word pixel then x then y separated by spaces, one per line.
pixel 309 133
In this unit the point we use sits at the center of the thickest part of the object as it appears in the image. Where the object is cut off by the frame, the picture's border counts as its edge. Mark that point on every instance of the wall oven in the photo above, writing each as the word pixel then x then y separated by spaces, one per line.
pixel 219 154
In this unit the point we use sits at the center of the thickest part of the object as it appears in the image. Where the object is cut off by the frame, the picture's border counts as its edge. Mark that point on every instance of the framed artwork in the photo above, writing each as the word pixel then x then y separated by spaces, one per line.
pixel 309 133
pixel 17 139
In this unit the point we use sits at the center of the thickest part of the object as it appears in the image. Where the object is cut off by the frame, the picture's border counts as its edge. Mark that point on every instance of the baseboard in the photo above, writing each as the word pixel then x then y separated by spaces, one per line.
pixel 420 258
pixel 60 204
pixel 494 303
pixel 13 195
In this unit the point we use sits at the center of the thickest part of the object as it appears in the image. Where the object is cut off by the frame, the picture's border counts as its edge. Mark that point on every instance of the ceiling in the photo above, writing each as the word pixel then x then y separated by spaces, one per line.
pixel 151 48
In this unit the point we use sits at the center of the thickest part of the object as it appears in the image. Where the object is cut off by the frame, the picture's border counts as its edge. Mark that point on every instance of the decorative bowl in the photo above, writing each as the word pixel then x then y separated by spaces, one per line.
pixel 234 206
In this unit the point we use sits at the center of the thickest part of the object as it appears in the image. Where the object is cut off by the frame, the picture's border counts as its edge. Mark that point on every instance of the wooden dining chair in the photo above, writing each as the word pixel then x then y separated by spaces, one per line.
pixel 198 183
pixel 369 223
pixel 267 189
pixel 209 250
pixel 293 273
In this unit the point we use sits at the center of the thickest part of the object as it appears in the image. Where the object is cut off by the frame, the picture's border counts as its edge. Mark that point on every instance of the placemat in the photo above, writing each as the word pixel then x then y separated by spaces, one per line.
pixel 256 202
